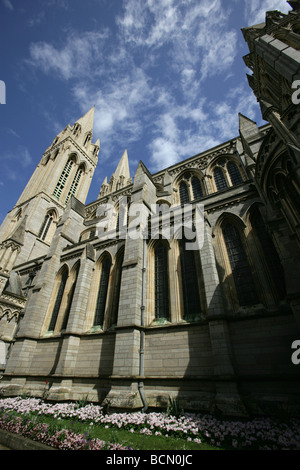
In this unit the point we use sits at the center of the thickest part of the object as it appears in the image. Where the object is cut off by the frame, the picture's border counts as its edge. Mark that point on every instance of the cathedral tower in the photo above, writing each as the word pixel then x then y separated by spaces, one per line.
pixel 65 170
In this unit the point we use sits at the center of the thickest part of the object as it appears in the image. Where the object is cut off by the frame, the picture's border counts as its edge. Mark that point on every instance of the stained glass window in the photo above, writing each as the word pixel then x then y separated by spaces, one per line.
pixel 117 288
pixel 161 282
pixel 241 272
pixel 190 290
pixel 59 296
pixel 102 292
pixel 219 178
pixel 234 173
pixel 183 193
pixel 197 188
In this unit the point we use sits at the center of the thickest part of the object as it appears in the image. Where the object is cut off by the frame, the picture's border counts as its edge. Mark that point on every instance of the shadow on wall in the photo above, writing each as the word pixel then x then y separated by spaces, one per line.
pixel 106 363
pixel 240 362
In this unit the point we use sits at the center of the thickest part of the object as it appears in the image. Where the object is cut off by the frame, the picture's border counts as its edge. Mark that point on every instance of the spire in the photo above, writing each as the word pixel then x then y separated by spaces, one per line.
pixel 122 168
pixel 247 127
pixel 249 132
pixel 119 179
pixel 87 120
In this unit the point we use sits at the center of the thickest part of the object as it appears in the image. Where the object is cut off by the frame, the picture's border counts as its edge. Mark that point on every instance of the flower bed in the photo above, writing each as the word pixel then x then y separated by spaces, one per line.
pixel 29 426
pixel 259 433
pixel 62 439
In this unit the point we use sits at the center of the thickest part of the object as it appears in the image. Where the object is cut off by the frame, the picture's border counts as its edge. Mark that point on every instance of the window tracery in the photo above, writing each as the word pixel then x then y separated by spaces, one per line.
pixel 102 292
pixel 190 188
pixel 226 173
pixel 162 311
pixel 48 220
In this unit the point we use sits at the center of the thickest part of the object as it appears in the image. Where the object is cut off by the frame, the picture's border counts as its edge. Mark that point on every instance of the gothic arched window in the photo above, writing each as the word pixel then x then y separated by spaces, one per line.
pixel 162 309
pixel 46 225
pixel 226 173
pixel 63 178
pixel 75 183
pixel 73 276
pixel 240 268
pixel 76 129
pixel 189 280
pixel 183 193
pixel 219 178
pixel 102 292
pixel 117 287
pixel 197 188
pixel 88 138
pixel 234 173
pixel 61 289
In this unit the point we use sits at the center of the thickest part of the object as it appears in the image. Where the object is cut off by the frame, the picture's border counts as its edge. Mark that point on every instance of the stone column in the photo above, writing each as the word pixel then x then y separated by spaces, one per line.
pixel 126 365
pixel 210 276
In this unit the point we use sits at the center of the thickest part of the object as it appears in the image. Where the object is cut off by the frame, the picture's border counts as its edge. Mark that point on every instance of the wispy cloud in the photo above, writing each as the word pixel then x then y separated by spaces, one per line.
pixel 255 11
pixel 74 60
pixel 196 34
pixel 8 4
pixel 118 104
pixel 183 131
pixel 13 133
pixel 151 79
pixel 21 157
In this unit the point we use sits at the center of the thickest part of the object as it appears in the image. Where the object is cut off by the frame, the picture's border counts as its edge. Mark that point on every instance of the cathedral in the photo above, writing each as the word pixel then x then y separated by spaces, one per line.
pixel 181 284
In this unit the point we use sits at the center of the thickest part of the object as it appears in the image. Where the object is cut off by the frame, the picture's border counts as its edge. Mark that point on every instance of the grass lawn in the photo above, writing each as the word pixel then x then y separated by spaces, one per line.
pixel 134 440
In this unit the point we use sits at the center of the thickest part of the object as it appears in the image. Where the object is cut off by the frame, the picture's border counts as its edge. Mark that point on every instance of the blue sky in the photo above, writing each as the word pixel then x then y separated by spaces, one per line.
pixel 166 76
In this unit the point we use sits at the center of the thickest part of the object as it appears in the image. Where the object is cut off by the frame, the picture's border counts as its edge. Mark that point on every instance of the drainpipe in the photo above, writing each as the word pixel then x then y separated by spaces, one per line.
pixel 142 333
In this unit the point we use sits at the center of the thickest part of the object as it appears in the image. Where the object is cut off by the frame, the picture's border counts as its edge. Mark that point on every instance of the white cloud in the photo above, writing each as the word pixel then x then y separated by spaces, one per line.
pixel 73 60
pixel 255 11
pixel 20 157
pixel 183 131
pixel 221 54
pixel 151 80
pixel 197 34
pixel 120 105
pixel 164 153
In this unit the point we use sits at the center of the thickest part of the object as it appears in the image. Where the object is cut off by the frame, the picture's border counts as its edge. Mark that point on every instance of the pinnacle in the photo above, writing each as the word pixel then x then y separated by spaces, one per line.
pixel 123 167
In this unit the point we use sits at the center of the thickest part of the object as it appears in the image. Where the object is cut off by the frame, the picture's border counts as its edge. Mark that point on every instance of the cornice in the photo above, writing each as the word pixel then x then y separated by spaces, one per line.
pixel 199 162
pixel 12 300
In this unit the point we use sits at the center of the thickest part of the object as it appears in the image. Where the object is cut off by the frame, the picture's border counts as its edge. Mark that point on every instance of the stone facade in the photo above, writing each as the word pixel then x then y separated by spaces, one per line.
pixel 109 303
